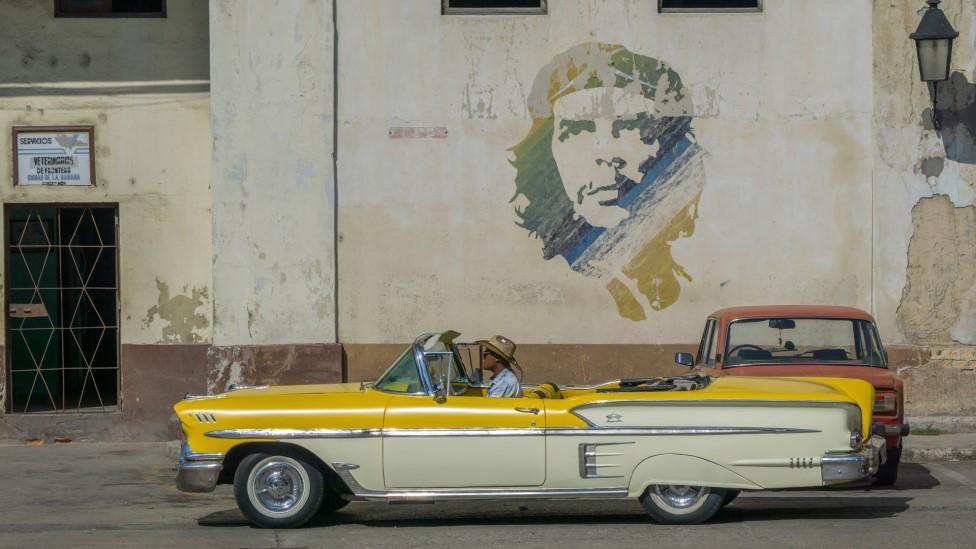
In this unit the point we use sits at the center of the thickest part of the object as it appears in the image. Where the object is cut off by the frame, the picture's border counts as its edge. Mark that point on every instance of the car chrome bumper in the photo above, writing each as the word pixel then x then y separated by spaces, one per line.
pixel 895 429
pixel 197 472
pixel 835 468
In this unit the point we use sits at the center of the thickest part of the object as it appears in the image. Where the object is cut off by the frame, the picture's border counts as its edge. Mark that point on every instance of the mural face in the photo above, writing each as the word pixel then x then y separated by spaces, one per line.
pixel 610 172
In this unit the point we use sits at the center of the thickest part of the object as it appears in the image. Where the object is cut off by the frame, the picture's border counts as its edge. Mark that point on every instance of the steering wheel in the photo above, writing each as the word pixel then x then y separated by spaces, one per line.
pixel 745 345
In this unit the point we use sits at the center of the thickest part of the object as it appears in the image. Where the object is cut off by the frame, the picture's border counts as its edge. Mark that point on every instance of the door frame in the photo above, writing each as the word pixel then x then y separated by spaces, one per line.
pixel 7 358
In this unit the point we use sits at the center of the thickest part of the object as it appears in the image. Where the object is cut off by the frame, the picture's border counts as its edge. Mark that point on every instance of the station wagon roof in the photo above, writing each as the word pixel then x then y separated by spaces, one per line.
pixel 763 311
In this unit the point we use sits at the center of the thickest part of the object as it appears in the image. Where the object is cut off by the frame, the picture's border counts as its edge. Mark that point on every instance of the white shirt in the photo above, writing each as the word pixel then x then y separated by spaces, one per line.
pixel 504 384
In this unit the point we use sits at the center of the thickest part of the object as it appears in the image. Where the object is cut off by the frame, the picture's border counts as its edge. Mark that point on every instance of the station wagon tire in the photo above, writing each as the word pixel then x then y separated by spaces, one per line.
pixel 674 504
pixel 277 491
pixel 887 473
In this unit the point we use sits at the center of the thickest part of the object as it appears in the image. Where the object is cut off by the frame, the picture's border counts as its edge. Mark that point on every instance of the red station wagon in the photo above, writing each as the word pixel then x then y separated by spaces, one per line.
pixel 807 341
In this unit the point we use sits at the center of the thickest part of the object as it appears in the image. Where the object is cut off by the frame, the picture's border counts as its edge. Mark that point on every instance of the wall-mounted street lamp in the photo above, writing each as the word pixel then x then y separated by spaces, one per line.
pixel 933 40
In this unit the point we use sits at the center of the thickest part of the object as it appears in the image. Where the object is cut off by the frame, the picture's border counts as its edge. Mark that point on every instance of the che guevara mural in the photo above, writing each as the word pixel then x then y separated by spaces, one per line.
pixel 610 173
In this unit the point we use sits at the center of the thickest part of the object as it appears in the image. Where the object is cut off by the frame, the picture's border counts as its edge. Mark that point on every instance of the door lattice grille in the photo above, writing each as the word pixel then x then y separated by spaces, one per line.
pixel 62 319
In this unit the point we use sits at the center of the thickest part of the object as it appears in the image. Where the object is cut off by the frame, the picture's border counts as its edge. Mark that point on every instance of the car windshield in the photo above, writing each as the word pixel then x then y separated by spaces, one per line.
pixel 402 377
pixel 803 341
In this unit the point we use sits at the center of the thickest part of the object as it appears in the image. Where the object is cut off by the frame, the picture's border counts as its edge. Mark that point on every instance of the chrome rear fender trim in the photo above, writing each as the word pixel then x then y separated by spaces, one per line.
pixel 285 434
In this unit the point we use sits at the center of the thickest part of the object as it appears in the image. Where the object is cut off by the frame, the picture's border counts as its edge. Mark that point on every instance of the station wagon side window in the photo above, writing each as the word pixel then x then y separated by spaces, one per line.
pixel 710 353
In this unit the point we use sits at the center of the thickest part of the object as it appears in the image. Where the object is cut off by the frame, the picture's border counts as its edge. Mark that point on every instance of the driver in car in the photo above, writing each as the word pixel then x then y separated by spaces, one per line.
pixel 498 356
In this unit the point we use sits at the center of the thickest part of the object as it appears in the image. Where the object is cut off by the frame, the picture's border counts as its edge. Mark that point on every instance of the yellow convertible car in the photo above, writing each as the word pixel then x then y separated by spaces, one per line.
pixel 424 431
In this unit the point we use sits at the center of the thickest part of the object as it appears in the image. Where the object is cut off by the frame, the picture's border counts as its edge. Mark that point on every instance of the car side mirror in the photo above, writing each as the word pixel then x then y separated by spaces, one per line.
pixel 684 359
pixel 440 395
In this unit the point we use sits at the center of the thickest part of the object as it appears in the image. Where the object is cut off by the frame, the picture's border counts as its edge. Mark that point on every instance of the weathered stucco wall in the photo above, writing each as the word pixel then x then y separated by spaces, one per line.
pixel 764 176
pixel 142 84
pixel 925 208
pixel 272 170
pixel 924 184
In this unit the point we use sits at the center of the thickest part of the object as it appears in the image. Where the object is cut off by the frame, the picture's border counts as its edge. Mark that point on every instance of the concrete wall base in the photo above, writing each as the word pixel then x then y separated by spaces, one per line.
pixel 944 385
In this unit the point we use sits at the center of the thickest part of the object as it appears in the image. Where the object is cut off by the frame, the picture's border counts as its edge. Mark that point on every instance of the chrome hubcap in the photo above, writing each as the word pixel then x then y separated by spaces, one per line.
pixel 681 496
pixel 277 485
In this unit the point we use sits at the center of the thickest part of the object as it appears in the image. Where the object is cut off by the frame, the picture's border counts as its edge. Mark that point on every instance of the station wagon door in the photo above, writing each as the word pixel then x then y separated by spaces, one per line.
pixel 467 441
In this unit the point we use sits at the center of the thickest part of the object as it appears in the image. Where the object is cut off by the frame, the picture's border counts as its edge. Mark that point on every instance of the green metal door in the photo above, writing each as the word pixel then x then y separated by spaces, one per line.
pixel 62 308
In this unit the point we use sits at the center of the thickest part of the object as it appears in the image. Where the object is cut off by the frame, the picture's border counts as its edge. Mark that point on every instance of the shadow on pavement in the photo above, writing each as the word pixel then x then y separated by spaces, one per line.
pixel 746 509
pixel 911 476
pixel 761 509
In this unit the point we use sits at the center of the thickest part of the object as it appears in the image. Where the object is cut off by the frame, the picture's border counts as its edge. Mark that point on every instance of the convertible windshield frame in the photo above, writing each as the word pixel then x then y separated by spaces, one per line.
pixel 416 350
pixel 804 360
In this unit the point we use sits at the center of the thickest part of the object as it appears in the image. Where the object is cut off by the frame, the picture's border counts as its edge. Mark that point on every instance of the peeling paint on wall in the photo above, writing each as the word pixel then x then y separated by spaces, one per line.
pixel 938 304
pixel 180 313
pixel 611 171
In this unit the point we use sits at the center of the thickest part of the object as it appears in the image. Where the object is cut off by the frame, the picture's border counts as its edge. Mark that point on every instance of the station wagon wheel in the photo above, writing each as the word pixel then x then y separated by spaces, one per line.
pixel 681 504
pixel 277 491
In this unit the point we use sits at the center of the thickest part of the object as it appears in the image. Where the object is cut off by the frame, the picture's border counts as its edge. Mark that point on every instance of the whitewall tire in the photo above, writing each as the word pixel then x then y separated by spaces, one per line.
pixel 277 491
pixel 679 504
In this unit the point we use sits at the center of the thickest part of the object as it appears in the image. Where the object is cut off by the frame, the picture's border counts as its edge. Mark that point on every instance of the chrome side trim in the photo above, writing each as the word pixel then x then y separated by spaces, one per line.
pixel 854 412
pixel 442 494
pixel 276 434
pixel 281 434
pixel 791 463
pixel 588 466
pixel 465 432
pixel 672 431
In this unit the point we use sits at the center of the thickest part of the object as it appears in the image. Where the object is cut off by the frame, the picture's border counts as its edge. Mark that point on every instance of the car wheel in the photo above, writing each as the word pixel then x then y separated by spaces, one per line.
pixel 677 504
pixel 730 496
pixel 887 474
pixel 277 491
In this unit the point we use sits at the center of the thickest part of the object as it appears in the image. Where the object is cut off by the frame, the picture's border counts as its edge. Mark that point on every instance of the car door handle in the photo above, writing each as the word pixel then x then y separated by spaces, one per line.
pixel 527 410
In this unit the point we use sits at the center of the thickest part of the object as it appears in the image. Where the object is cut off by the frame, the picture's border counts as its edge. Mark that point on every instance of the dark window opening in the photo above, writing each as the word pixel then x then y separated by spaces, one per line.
pixel 493 6
pixel 110 8
pixel 62 309
pixel 709 5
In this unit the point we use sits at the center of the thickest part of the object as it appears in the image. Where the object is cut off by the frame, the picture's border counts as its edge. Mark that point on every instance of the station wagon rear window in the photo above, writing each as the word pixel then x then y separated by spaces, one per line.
pixel 803 341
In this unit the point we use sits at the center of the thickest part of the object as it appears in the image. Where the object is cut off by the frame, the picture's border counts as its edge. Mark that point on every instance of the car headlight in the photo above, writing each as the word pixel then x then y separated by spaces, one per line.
pixel 884 403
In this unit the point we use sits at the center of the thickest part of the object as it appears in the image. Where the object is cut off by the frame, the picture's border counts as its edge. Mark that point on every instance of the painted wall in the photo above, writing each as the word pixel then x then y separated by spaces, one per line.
pixel 924 184
pixel 148 103
pixel 609 174
pixel 144 85
pixel 272 172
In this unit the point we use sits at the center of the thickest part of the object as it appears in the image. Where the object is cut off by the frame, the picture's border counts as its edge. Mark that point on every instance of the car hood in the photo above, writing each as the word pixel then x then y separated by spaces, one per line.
pixel 880 378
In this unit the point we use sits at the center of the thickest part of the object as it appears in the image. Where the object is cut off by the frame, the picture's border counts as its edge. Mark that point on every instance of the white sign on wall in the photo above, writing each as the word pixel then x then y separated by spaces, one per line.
pixel 53 156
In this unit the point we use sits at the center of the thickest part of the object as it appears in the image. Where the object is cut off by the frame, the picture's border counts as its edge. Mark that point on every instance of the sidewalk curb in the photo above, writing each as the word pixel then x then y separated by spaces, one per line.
pixel 929 455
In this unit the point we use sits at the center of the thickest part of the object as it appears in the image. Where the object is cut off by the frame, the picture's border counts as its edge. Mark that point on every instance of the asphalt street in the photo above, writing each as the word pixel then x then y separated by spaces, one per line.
pixel 122 495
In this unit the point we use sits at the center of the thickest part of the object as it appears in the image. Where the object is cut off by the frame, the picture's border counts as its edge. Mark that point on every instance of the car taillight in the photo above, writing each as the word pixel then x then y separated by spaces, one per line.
pixel 884 403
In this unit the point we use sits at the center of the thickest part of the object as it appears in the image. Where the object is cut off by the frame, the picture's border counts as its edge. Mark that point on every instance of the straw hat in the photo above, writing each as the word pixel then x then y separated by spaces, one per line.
pixel 500 345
